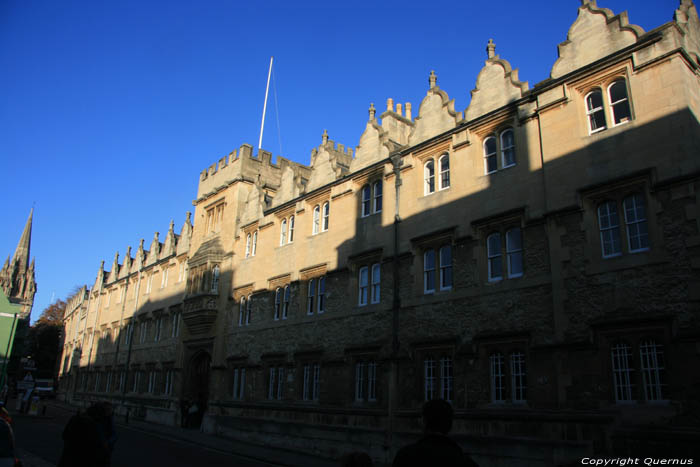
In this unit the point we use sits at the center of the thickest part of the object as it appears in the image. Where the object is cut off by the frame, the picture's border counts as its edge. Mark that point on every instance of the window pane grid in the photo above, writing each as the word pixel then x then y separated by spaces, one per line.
pixel 518 378
pixel 446 378
pixel 429 174
pixel 497 378
pixel 377 196
pixel 278 300
pixel 429 378
pixel 507 148
pixel 635 218
pixel 429 271
pixel 444 172
pixel 359 381
pixel 618 102
pixel 621 365
pixel 596 114
pixel 514 250
pixel 366 193
pixel 490 164
pixel 652 366
pixel 376 284
pixel 494 256
pixel 372 381
pixel 446 267
pixel 609 229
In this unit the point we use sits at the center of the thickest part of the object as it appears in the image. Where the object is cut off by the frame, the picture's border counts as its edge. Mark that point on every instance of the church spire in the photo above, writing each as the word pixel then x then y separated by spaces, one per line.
pixel 22 251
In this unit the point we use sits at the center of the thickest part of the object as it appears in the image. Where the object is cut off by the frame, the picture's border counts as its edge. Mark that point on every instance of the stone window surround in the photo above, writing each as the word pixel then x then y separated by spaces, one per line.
pixel 633 333
pixel 602 82
pixel 618 190
pixel 506 345
pixel 432 241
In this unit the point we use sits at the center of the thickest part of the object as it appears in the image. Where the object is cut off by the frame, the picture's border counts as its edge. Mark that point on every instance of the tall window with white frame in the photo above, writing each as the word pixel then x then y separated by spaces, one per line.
pixel 321 296
pixel 366 200
pixel 429 177
pixel 518 377
pixel 248 238
pixel 175 325
pixel 283 231
pixel 287 300
pixel 375 294
pixel 446 267
pixel 503 142
pixel 619 103
pixel 429 379
pixel 609 224
pixel 493 249
pixel 365 381
pixel 312 382
pixel 444 164
pixel 241 312
pixel 507 148
pixel 432 262
pixel 490 159
pixel 371 197
pixel 636 229
pixel 498 389
pixel 248 310
pixel 278 303
pixel 275 383
pixel 621 354
pixel 636 222
pixel 429 271
pixel 215 279
pixel 595 111
pixel 651 356
pixel 291 229
pixel 326 216
pixel 168 386
pixel 254 248
pixel 446 378
pixel 316 220
pixel 311 293
pixel 514 252
pixel 238 383
pixel 377 196
pixel 363 290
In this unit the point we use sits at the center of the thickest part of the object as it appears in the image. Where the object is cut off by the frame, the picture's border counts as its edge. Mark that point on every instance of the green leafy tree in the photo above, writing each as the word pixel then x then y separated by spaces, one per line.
pixel 44 339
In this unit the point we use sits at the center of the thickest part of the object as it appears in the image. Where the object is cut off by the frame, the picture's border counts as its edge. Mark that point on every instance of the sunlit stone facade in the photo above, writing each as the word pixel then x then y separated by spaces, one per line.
pixel 532 258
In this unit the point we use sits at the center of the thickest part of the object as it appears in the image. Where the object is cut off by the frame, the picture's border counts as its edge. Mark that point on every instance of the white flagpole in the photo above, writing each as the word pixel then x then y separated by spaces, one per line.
pixel 267 88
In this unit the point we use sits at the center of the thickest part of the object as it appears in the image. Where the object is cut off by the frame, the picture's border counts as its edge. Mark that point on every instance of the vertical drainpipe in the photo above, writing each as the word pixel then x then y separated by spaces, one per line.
pixel 396 306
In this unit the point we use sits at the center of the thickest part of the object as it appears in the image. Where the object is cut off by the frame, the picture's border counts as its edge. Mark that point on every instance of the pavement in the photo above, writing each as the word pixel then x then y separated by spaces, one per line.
pixel 267 454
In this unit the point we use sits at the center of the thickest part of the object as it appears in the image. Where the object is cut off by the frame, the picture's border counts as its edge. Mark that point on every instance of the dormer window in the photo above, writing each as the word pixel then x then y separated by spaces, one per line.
pixel 371 199
pixel 616 109
pixel 619 104
pixel 429 176
pixel 504 142
pixel 595 111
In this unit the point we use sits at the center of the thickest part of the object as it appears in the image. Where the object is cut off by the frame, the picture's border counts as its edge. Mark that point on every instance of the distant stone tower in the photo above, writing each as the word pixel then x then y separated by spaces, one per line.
pixel 17 275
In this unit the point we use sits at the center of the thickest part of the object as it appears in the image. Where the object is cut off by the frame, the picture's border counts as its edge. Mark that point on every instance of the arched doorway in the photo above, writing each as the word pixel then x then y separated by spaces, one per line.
pixel 198 387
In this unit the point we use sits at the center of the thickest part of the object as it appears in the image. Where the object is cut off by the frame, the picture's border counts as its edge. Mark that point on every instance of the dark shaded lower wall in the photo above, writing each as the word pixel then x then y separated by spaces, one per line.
pixel 493 448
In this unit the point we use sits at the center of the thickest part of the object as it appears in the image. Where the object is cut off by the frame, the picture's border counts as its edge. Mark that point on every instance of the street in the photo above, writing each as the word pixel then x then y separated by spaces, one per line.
pixel 39 443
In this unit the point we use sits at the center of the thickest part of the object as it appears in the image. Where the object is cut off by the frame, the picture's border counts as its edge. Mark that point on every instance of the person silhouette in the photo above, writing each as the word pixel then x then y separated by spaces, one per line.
pixel 435 448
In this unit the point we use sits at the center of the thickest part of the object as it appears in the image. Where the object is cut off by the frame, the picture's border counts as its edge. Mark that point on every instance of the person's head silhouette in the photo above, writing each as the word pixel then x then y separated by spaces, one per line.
pixel 437 416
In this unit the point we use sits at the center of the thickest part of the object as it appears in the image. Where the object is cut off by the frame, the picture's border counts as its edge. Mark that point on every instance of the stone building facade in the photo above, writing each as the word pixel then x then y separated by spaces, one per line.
pixel 533 259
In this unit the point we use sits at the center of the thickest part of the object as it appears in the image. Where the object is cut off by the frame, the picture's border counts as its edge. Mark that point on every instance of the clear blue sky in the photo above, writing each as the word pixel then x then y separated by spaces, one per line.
pixel 109 110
